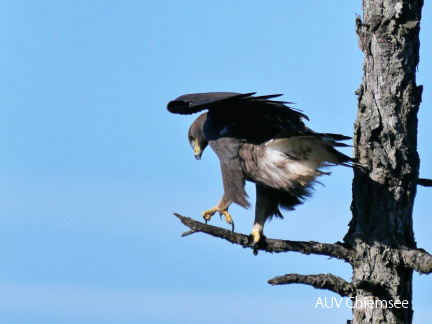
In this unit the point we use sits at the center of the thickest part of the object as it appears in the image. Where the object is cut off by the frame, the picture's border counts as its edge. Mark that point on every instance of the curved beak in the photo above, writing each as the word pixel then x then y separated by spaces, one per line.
pixel 197 150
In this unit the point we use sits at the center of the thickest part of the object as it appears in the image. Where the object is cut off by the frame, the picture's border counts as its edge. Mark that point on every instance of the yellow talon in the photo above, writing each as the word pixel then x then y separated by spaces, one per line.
pixel 256 236
pixel 228 217
pixel 209 213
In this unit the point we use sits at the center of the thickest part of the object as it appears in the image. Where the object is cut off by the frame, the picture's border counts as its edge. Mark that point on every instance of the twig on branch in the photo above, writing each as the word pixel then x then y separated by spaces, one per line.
pixel 424 182
pixel 188 233
pixel 320 281
pixel 337 250
pixel 418 260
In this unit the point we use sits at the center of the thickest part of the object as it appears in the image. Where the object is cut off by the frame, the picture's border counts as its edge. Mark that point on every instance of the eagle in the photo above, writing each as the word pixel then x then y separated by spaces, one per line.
pixel 263 141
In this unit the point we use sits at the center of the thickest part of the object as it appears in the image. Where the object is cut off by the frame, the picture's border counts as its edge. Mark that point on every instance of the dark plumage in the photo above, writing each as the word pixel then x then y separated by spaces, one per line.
pixel 263 141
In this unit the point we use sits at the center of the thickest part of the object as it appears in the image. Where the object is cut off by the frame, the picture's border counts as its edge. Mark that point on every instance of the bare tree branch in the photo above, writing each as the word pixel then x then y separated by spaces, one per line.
pixel 320 281
pixel 424 182
pixel 419 260
pixel 188 233
pixel 337 250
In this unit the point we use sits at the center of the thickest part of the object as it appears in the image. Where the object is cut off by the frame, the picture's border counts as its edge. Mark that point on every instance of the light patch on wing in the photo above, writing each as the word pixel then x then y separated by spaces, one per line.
pixel 227 129
pixel 224 131
pixel 294 159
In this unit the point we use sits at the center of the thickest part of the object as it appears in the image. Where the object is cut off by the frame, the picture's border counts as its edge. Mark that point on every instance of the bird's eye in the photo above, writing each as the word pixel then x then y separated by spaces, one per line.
pixel 191 138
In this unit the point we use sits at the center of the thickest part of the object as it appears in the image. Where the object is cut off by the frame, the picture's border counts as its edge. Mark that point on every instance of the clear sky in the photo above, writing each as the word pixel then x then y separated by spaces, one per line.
pixel 92 166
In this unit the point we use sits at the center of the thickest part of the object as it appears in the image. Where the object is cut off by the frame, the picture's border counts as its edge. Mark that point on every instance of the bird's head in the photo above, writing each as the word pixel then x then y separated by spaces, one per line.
pixel 196 136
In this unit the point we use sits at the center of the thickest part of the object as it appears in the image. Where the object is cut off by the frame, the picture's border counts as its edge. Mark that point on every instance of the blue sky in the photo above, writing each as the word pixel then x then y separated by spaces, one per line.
pixel 92 166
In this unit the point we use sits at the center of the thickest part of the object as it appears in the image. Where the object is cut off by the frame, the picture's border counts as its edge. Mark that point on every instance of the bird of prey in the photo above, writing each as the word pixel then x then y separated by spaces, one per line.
pixel 263 141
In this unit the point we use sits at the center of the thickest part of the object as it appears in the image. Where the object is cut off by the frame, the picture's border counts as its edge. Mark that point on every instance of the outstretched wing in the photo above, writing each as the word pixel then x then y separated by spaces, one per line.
pixel 195 102
pixel 255 119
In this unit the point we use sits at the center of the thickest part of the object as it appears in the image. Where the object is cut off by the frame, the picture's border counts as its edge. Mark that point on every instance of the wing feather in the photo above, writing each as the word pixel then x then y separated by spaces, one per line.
pixel 192 103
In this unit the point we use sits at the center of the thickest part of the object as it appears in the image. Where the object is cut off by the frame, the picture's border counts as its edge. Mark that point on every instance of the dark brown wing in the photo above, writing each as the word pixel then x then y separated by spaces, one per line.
pixel 192 103
pixel 195 102
pixel 243 116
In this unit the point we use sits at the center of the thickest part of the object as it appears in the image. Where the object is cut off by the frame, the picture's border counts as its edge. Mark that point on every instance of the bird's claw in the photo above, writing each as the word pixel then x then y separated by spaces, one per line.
pixel 256 236
pixel 228 218
pixel 207 215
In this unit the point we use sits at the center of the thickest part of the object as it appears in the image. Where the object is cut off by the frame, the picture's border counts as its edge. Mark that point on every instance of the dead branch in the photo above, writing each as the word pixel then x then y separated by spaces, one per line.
pixel 418 260
pixel 337 250
pixel 424 182
pixel 320 281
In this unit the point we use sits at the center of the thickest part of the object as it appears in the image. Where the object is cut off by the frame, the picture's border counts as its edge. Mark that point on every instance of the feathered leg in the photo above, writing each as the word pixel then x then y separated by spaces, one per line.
pixel 264 208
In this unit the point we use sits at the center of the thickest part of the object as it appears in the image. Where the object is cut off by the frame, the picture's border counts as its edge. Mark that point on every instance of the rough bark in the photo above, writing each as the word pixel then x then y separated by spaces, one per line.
pixel 385 142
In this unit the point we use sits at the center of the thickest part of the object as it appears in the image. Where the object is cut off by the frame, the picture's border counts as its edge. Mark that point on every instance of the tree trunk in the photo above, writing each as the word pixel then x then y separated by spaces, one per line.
pixel 385 143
